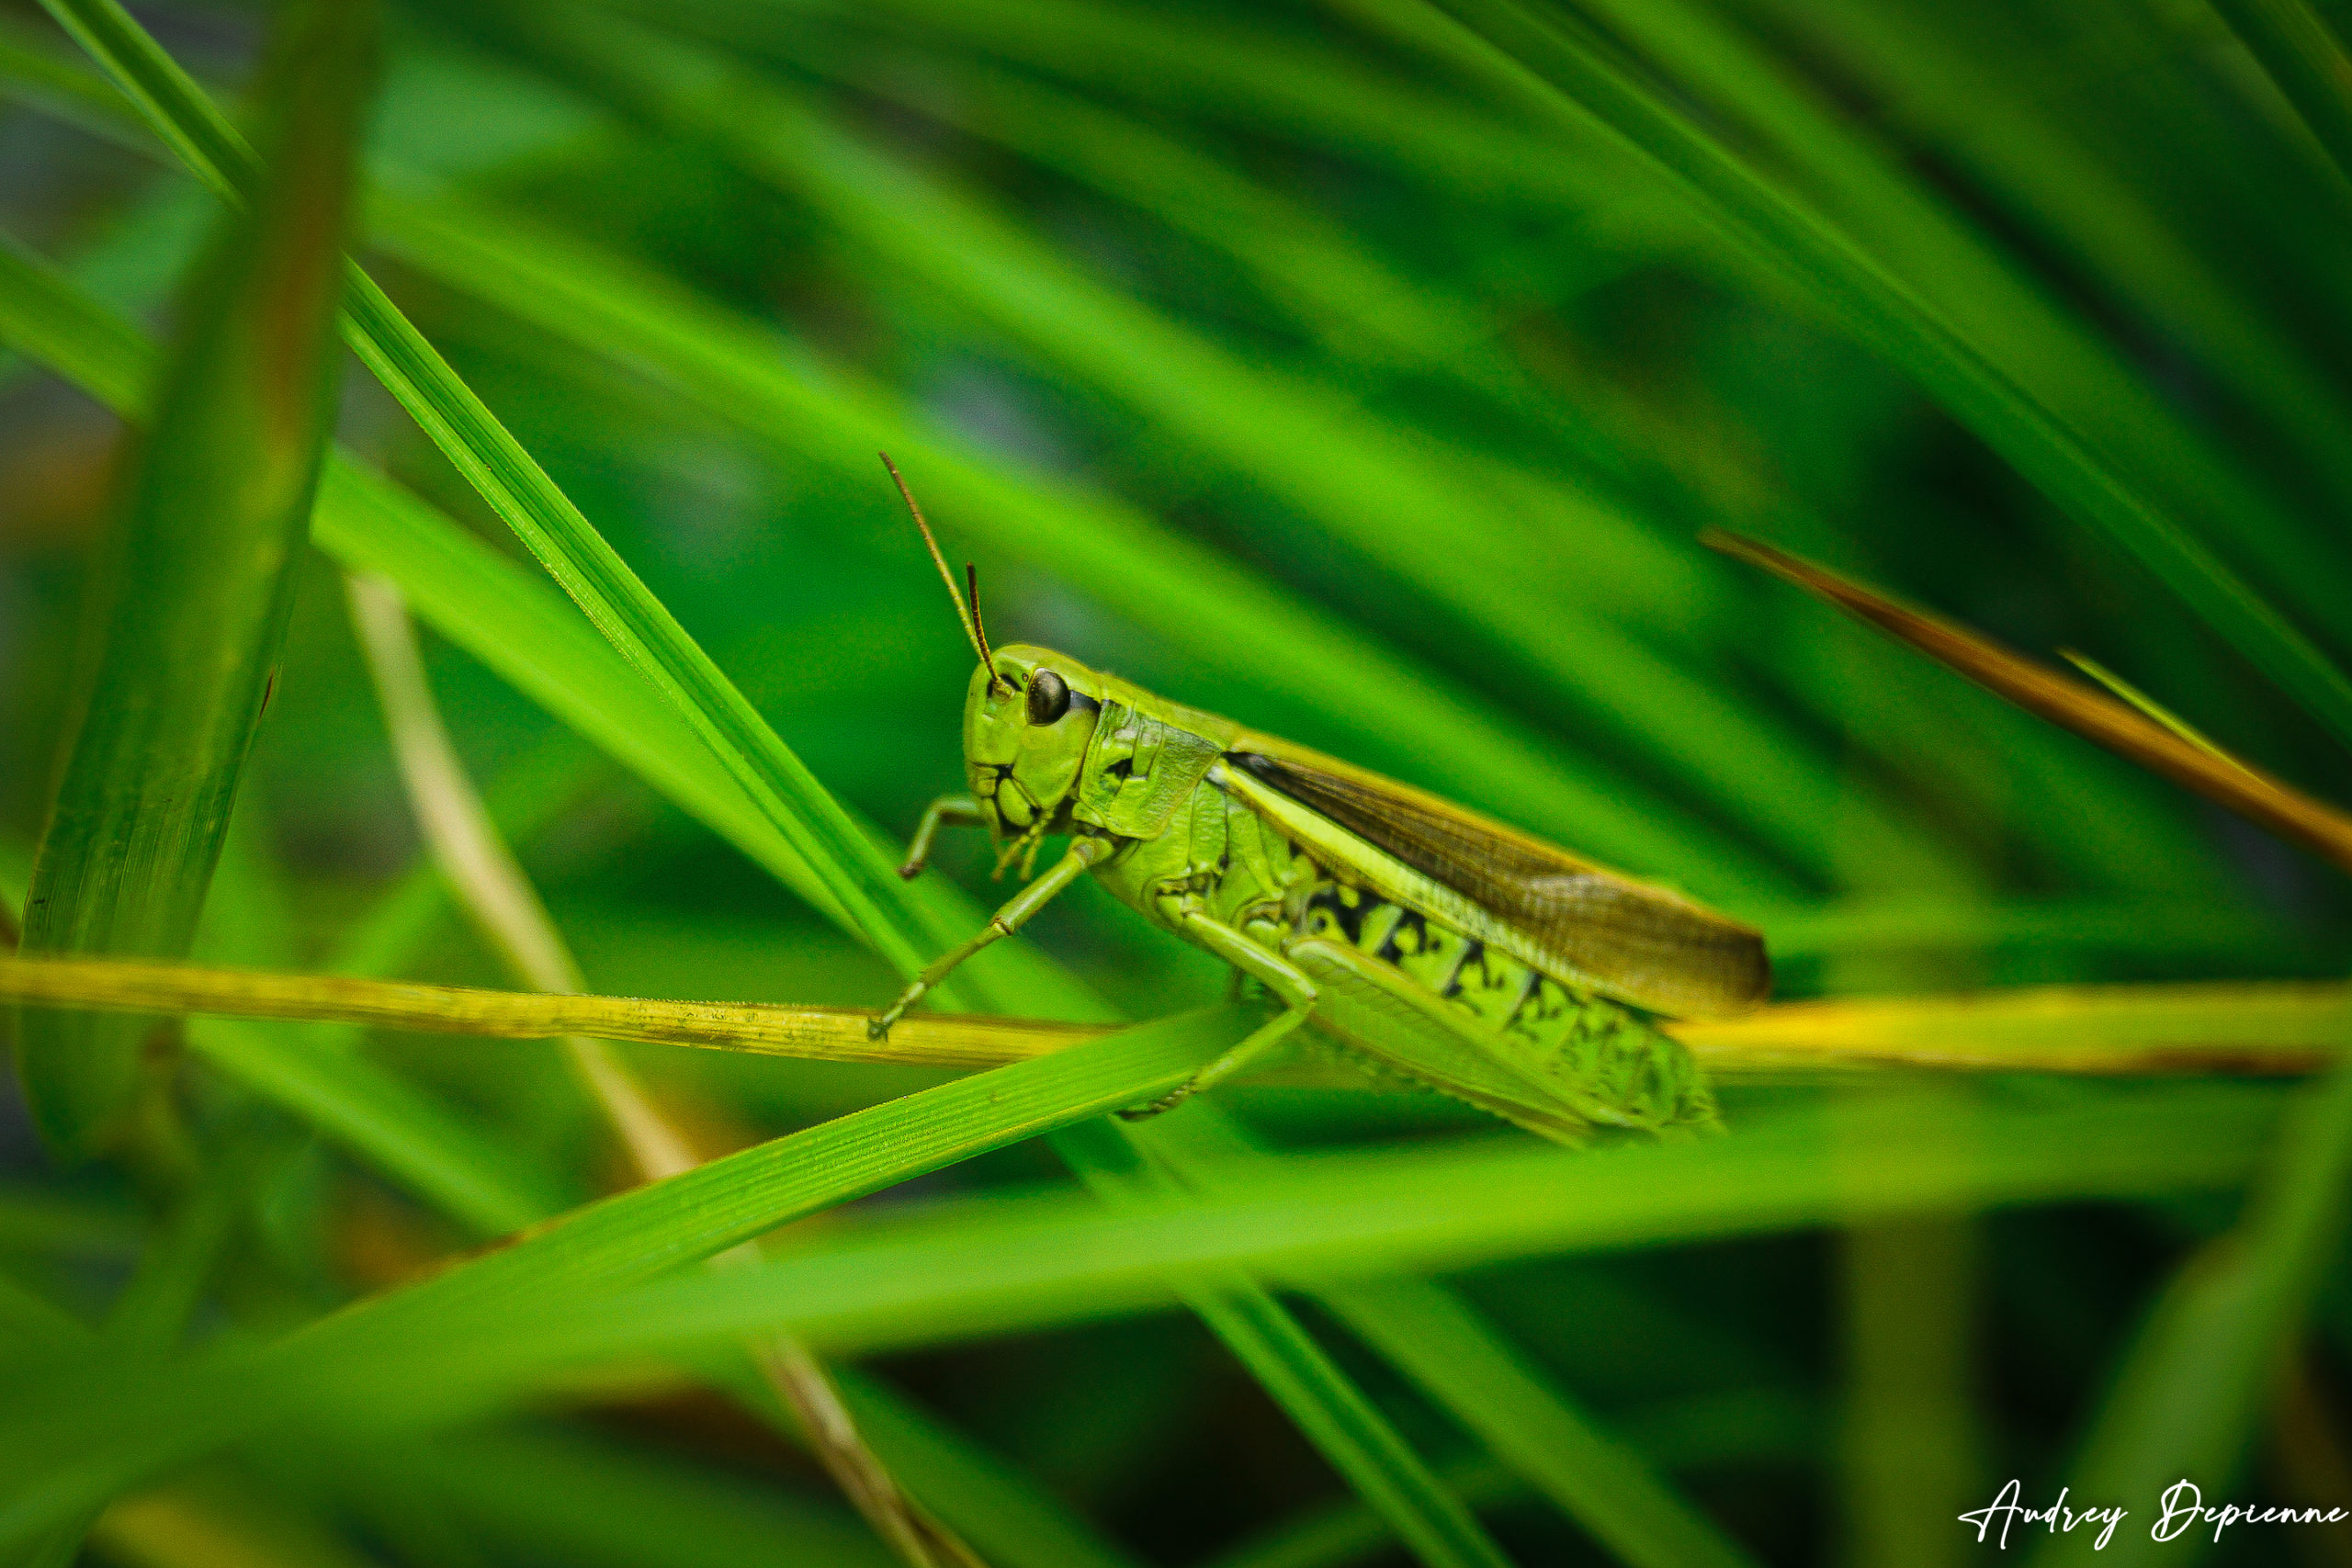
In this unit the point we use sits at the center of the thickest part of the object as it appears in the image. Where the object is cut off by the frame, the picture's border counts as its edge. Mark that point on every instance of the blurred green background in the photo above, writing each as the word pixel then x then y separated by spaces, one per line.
pixel 1361 371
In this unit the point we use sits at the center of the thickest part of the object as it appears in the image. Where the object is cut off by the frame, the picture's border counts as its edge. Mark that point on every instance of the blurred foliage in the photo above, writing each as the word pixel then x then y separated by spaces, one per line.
pixel 1362 369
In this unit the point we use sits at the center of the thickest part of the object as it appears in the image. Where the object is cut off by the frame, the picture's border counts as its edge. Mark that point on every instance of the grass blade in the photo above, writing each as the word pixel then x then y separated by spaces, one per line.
pixel 2123 1030
pixel 1435 1339
pixel 2282 1027
pixel 691 1217
pixel 2187 1399
pixel 1341 1533
pixel 2244 789
pixel 490 883
pixel 2048 164
pixel 832 1035
pixel 49 320
pixel 850 880
pixel 1439 1342
pixel 859 888
pixel 1343 1425
pixel 2012 320
pixel 1592 81
pixel 2302 53
pixel 194 591
pixel 1002 1512
pixel 511 621
pixel 752 378
pixel 454 1341
pixel 1362 479
pixel 172 103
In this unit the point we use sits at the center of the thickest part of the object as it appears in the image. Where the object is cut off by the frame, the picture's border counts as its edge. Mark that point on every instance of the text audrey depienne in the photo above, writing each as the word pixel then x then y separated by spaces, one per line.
pixel 2181 1510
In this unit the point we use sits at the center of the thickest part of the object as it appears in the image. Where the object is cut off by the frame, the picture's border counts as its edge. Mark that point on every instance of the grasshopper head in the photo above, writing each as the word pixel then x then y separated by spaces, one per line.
pixel 1027 720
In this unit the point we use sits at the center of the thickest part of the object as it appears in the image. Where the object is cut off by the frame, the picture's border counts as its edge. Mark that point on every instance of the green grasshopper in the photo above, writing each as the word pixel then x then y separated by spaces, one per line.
pixel 1439 945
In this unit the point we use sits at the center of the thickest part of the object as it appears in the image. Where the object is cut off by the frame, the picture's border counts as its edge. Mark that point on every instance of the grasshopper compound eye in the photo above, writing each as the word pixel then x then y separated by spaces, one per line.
pixel 1049 697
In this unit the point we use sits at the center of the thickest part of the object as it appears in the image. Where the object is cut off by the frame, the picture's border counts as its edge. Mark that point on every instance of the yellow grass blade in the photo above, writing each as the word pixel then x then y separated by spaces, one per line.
pixel 2279 1027
pixel 2263 1028
pixel 835 1034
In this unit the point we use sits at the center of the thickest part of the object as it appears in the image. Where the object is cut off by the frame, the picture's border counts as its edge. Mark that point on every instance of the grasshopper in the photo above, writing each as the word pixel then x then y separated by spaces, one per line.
pixel 1437 944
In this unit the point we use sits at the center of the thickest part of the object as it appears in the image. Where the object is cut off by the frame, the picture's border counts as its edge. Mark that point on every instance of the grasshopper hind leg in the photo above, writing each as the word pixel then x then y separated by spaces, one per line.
pixel 1287 983
pixel 1257 1044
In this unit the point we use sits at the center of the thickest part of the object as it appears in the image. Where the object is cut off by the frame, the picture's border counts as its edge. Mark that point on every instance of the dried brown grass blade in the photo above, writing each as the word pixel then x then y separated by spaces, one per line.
pixel 2253 794
pixel 490 881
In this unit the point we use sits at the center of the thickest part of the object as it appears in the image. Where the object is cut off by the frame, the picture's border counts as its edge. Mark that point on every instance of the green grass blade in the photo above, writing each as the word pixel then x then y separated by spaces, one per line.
pixel 1348 1532
pixel 862 888
pixel 1380 490
pixel 1909 1302
pixel 1357 304
pixel 462 1168
pixel 2299 1026
pixel 151 1312
pixel 492 1189
pixel 46 318
pixel 2302 53
pixel 1005 1515
pixel 464 1337
pixel 68 92
pixel 1828 264
pixel 748 377
pixel 2281 1028
pixel 1263 81
pixel 195 588
pixel 523 1489
pixel 173 104
pixel 1438 1342
pixel 514 623
pixel 2002 313
pixel 1981 119
pixel 1344 1425
pixel 663 1226
pixel 2188 1399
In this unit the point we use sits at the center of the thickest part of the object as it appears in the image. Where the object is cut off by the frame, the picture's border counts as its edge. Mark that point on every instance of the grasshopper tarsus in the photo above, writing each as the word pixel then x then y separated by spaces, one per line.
pixel 1160 1107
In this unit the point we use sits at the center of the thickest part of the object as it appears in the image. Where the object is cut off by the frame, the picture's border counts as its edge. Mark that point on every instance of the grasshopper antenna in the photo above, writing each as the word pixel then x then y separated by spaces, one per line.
pixel 968 614
pixel 979 627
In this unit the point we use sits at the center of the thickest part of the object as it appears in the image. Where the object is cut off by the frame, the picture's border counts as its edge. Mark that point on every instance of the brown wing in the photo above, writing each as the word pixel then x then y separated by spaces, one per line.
pixel 1644 944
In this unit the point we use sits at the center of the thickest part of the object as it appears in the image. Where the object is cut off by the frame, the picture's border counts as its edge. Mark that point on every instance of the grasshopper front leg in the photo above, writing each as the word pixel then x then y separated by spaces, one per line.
pixel 1084 854
pixel 947 811
pixel 1285 979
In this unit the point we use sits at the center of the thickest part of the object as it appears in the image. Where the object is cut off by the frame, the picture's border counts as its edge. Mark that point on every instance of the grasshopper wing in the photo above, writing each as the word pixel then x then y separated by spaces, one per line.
pixel 1580 922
